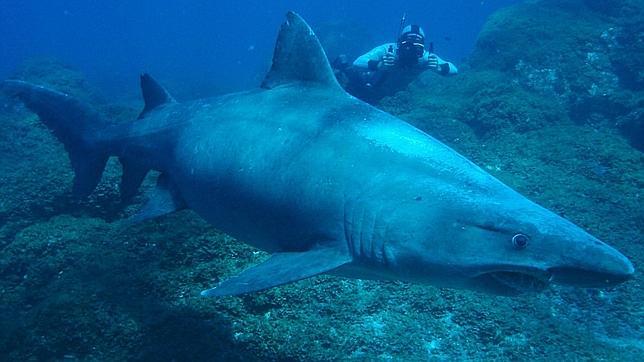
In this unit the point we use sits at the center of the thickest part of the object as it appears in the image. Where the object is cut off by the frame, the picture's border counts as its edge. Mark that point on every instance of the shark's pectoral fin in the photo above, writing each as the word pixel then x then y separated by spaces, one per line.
pixel 164 199
pixel 282 268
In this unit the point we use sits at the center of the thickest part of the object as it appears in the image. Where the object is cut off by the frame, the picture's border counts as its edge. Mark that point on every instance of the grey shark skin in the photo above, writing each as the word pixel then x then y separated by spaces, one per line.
pixel 328 184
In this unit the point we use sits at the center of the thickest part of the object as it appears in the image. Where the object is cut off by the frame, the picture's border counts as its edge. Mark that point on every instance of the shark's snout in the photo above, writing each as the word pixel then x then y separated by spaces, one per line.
pixel 592 264
pixel 612 269
pixel 583 262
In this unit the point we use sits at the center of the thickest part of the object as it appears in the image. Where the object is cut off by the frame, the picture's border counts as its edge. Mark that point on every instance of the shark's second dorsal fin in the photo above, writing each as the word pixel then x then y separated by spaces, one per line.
pixel 154 94
pixel 299 57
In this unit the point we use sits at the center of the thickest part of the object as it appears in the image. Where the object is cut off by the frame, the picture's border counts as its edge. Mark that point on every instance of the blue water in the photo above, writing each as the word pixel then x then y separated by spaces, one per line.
pixel 205 46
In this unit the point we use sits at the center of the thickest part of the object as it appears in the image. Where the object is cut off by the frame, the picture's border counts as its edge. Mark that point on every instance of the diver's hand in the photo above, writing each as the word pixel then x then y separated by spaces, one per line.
pixel 388 60
pixel 432 62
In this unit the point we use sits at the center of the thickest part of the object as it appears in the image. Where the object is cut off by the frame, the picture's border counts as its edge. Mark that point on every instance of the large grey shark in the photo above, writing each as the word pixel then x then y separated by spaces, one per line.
pixel 327 184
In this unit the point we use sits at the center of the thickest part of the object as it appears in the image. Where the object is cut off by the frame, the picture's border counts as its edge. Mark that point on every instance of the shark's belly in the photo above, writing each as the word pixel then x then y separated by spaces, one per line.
pixel 268 198
pixel 270 218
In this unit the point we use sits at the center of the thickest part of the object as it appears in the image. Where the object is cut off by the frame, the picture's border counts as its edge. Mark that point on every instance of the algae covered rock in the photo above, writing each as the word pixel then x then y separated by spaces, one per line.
pixel 486 101
pixel 586 55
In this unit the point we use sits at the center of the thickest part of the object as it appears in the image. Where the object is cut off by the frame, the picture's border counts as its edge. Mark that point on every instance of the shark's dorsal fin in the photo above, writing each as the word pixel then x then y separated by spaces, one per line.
pixel 299 57
pixel 154 94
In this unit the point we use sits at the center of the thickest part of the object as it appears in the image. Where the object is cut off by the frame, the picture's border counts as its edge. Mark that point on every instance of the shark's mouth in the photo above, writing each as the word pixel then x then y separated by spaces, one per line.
pixel 514 282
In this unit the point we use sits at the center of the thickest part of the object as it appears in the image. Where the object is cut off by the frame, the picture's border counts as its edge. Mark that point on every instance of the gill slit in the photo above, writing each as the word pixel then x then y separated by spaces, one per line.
pixel 361 237
pixel 373 240
pixel 347 235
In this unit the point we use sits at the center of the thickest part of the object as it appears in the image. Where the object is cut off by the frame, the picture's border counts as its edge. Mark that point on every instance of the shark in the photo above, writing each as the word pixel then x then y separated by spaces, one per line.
pixel 326 184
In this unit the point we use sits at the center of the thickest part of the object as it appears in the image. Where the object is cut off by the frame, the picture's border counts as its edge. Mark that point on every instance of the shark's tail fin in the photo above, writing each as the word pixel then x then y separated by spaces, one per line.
pixel 75 124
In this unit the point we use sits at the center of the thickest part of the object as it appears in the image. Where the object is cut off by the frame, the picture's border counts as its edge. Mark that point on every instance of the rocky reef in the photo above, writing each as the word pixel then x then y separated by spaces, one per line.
pixel 550 102
pixel 587 56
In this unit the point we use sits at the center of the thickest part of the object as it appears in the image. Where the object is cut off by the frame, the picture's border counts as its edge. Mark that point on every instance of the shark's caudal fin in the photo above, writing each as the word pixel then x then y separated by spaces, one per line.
pixel 75 124
pixel 83 131
pixel 299 57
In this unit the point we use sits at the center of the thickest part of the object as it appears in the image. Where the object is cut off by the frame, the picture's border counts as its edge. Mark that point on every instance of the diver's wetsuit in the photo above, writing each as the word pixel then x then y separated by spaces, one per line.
pixel 368 80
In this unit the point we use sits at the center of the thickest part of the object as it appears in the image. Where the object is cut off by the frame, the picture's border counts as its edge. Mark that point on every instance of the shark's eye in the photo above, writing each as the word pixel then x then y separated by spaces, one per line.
pixel 520 241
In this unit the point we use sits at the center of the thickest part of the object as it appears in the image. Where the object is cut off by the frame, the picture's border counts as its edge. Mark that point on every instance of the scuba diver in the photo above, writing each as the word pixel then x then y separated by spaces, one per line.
pixel 390 67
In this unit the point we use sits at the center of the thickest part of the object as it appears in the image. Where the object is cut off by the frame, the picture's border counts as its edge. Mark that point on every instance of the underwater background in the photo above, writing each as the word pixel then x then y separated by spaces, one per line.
pixel 549 100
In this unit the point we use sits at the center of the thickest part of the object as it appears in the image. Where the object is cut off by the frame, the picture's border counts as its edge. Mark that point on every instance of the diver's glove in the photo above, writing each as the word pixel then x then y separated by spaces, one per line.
pixel 432 63
pixel 388 60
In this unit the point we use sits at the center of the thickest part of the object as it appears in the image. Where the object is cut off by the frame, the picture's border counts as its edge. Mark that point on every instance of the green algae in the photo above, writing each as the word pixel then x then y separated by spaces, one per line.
pixel 586 55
